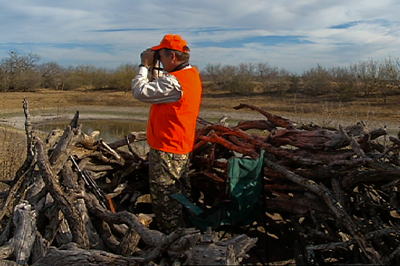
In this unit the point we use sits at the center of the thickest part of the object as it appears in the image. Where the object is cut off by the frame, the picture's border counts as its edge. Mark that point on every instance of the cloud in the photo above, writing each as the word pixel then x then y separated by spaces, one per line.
pixel 294 35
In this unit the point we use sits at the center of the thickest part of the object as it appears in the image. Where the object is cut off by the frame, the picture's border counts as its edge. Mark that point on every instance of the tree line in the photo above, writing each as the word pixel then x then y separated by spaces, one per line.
pixel 364 78
pixel 23 72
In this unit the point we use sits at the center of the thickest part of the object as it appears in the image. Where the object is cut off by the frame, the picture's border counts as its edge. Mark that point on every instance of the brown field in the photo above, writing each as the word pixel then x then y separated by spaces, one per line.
pixel 322 110
pixel 121 105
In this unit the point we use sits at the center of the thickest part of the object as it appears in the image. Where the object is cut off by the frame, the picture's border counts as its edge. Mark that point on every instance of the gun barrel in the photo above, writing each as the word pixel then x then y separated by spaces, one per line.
pixel 91 184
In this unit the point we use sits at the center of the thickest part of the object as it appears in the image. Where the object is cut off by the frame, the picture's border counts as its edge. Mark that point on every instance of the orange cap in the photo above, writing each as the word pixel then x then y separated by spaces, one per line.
pixel 174 42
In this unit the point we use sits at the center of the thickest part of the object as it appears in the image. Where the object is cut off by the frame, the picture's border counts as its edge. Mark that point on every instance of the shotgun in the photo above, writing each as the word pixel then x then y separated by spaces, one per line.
pixel 103 198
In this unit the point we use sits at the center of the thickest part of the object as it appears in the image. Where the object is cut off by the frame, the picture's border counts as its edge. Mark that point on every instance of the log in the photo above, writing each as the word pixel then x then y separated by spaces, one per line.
pixel 321 139
pixel 6 251
pixel 129 242
pixel 24 237
pixel 338 210
pixel 227 252
pixel 152 238
pixel 132 137
pixel 77 226
pixel 110 240
pixel 29 143
pixel 66 144
pixel 8 263
pixel 275 119
pixel 40 248
pixel 72 255
pixel 259 124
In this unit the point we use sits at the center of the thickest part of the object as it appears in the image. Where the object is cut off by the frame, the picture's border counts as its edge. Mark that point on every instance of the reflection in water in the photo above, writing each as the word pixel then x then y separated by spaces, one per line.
pixel 110 130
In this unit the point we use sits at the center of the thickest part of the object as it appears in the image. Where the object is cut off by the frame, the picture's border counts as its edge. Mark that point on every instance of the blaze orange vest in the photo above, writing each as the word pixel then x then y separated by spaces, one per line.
pixel 172 126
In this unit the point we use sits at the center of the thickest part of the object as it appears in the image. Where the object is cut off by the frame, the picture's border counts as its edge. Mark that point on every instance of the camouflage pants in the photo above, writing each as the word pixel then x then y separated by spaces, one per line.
pixel 168 174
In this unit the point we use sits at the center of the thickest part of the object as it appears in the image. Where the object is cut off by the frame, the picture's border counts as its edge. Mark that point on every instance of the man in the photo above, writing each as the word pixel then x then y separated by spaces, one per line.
pixel 175 99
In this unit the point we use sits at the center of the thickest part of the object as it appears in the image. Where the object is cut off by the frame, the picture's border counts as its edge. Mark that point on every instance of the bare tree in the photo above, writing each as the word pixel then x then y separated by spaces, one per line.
pixel 52 75
pixel 366 73
pixel 266 76
pixel 343 83
pixel 18 71
pixel 317 80
pixel 122 77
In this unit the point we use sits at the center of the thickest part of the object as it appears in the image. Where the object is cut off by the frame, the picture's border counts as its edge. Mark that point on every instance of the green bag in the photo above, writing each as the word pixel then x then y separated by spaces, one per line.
pixel 245 184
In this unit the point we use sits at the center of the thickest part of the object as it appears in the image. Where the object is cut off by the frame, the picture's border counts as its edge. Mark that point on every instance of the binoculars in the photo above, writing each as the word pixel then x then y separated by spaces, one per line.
pixel 156 57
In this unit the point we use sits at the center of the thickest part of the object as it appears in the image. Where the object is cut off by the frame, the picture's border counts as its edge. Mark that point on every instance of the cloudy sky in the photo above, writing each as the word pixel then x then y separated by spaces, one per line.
pixel 292 34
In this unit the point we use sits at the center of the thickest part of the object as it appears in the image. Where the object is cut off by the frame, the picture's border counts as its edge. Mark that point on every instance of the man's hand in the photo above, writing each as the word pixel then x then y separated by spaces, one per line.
pixel 147 57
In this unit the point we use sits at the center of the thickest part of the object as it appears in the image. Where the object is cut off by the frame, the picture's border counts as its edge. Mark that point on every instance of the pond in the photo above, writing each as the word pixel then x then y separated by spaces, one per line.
pixel 110 130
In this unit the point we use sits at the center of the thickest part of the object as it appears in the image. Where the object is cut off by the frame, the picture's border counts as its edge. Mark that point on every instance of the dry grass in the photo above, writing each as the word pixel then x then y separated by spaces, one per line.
pixel 12 153
pixel 288 105
pixel 301 109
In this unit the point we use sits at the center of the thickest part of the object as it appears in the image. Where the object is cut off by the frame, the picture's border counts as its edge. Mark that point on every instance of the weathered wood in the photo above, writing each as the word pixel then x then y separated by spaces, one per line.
pixel 40 248
pixel 338 210
pixel 129 242
pixel 135 154
pixel 6 251
pixel 76 223
pixel 132 137
pixel 94 238
pixel 321 139
pixel 105 233
pixel 258 124
pixel 6 232
pixel 228 252
pixel 275 119
pixel 89 141
pixel 72 255
pixel 52 138
pixel 300 206
pixel 71 182
pixel 8 263
pixel 37 191
pixel 98 168
pixel 64 147
pixel 57 228
pixel 246 151
pixel 150 237
pixel 24 237
pixel 29 143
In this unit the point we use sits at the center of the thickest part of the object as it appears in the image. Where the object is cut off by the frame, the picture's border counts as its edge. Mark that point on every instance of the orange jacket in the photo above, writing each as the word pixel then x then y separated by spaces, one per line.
pixel 172 126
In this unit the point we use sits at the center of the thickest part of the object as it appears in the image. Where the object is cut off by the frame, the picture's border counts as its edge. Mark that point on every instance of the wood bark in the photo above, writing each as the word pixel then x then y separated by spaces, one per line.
pixel 77 226
pixel 24 237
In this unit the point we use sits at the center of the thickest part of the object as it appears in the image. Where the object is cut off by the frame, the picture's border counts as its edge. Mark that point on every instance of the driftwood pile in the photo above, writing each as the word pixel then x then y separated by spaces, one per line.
pixel 335 192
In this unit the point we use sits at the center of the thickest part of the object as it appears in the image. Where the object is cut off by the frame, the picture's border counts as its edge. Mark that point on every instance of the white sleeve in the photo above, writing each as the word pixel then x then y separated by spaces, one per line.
pixel 165 89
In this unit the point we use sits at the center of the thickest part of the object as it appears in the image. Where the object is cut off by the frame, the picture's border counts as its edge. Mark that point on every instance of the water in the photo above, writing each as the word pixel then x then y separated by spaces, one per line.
pixel 110 130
